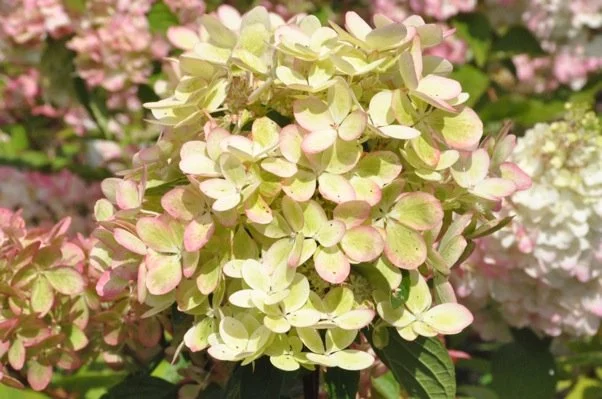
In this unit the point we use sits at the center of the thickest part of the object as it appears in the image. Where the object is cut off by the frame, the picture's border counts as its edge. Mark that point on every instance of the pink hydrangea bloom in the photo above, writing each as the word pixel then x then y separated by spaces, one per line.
pixel 47 198
pixel 114 50
pixel 187 11
pixel 30 21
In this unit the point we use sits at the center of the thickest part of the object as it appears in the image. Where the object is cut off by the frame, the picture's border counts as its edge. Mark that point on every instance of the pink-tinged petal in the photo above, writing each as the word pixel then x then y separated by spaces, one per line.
pixel 198 232
pixel 318 141
pixel 352 213
pixel 362 244
pixel 110 285
pixel 217 188
pixel 461 131
pixel 294 257
pixel 417 210
pixel 181 203
pixel 335 188
pixel 279 167
pixel 164 273
pixel 439 87
pixel 494 188
pixel 194 161
pixel 240 146
pixel 353 126
pixel 404 247
pixel 16 354
pixel 127 195
pixel 503 149
pixel 190 262
pixel 182 37
pixel 332 265
pixel 448 318
pixel 129 241
pixel 301 187
pixel 330 233
pixel 38 375
pixel 291 137
pixel 366 190
pixel 258 210
pixel 312 114
pixel 511 171
pixel 399 132
pixel 356 25
pixel 471 168
pixel 388 36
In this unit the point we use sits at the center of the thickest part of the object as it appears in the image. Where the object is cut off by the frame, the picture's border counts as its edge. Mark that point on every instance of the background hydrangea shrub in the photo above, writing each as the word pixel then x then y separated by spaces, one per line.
pixel 544 272
pixel 310 181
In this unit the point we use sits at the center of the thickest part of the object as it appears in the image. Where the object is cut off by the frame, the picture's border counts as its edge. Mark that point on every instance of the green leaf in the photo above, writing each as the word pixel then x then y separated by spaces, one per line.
pixel 473 81
pixel 517 40
pixel 586 388
pixel 386 387
pixel 258 380
pixel 477 32
pixel 524 369
pixel 341 384
pixel 423 367
pixel 160 18
pixel 142 386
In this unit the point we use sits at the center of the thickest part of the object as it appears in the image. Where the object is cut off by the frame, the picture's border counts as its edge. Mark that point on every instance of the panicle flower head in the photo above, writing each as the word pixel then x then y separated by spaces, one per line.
pixel 545 272
pixel 310 180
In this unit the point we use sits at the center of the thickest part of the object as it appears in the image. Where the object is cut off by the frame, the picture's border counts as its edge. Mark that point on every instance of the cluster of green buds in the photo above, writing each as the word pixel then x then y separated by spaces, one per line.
pixel 46 299
pixel 311 181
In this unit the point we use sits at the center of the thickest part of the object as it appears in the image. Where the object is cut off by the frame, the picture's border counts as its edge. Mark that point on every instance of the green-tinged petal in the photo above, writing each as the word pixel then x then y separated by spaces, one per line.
pixel 342 156
pixel 304 318
pixel 339 101
pixel 301 187
pixel 330 233
pixel 494 188
pixel 257 209
pixel 380 166
pixel 254 274
pixel 419 298
pixel 338 300
pixel 319 140
pixel 366 190
pixel 277 324
pixel 65 280
pixel 353 126
pixel 352 359
pixel 279 167
pixel 299 293
pixel 417 210
pixel 285 362
pixel 42 297
pixel 164 273
pixel 362 243
pixel 354 319
pixel 198 233
pixel 461 131
pixel 311 339
pixel 209 275
pixel 338 339
pixel 242 299
pixel 398 317
pixel 404 247
pixel 233 333
pixel 158 234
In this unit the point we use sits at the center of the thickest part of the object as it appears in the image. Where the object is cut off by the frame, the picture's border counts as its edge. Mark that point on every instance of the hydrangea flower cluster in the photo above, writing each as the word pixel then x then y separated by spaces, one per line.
pixel 45 300
pixel 311 181
pixel 48 198
pixel 545 272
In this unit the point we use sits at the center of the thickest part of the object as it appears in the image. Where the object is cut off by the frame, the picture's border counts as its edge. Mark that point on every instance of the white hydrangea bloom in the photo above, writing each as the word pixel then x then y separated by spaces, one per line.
pixel 545 271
